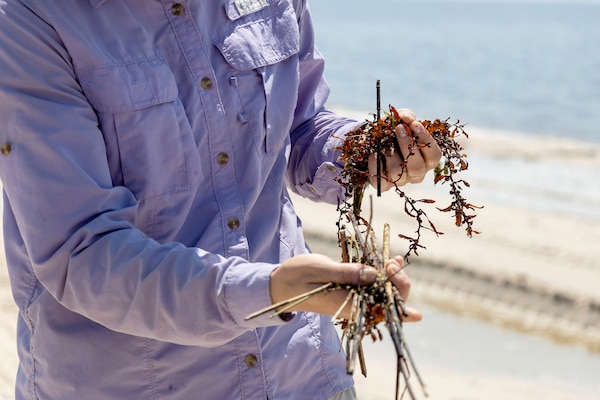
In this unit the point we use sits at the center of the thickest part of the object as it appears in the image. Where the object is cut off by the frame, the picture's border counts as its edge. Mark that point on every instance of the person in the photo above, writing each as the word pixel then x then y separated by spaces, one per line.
pixel 147 150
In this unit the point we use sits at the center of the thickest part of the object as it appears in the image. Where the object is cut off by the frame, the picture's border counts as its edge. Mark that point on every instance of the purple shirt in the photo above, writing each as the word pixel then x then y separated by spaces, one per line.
pixel 146 150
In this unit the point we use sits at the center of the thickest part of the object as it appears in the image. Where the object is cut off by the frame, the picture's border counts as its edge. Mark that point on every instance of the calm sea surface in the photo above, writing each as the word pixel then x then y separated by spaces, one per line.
pixel 529 67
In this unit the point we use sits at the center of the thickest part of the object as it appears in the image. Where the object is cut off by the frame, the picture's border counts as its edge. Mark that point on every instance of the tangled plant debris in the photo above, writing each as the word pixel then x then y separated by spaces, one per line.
pixel 381 303
pixel 379 137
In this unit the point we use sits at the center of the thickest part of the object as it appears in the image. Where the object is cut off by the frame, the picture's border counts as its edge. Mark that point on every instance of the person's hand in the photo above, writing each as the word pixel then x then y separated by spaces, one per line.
pixel 402 168
pixel 306 272
pixel 399 278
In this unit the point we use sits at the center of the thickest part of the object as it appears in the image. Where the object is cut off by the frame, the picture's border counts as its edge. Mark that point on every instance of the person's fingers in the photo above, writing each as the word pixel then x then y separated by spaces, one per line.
pixel 414 315
pixel 413 169
pixel 395 171
pixel 429 149
pixel 351 274
pixel 406 115
pixel 418 153
pixel 397 275
pixel 322 269
pixel 391 162
pixel 306 272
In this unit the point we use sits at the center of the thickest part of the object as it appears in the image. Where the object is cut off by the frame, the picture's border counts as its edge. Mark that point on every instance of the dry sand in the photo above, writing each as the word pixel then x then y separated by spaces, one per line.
pixel 529 269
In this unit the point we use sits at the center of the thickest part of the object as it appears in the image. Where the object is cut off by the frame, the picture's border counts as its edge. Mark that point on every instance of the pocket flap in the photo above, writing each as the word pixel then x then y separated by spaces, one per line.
pixel 128 87
pixel 261 42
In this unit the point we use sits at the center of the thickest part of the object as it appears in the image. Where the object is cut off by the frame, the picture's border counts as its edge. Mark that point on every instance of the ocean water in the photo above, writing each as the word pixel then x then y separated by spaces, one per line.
pixel 518 69
pixel 531 67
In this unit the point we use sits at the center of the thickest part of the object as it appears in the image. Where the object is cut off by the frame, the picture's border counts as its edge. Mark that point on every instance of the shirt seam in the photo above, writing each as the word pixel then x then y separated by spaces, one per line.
pixel 31 345
pixel 151 372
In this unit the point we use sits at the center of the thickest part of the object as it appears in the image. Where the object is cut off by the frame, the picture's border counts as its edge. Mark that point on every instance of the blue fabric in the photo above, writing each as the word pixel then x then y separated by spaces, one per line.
pixel 145 197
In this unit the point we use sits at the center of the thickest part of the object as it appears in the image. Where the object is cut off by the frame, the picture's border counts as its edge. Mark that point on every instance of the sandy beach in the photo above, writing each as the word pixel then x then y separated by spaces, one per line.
pixel 535 268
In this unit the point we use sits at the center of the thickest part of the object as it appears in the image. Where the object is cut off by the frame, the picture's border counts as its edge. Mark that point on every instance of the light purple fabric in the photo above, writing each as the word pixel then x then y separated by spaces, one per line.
pixel 145 200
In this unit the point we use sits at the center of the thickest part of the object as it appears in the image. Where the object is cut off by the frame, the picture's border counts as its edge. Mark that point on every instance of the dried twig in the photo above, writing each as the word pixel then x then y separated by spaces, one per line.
pixel 285 305
pixel 373 304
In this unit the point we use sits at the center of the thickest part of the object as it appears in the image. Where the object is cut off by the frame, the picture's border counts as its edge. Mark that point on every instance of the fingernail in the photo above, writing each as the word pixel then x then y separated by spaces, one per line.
pixel 414 315
pixel 393 268
pixel 367 274
pixel 401 131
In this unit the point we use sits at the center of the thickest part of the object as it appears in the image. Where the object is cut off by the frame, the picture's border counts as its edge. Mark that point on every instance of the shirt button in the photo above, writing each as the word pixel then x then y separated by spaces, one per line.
pixel 206 83
pixel 177 9
pixel 223 158
pixel 233 223
pixel 5 149
pixel 251 360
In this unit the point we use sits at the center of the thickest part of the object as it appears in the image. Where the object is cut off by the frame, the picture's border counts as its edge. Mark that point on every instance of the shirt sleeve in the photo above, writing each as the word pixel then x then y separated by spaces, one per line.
pixel 316 132
pixel 78 230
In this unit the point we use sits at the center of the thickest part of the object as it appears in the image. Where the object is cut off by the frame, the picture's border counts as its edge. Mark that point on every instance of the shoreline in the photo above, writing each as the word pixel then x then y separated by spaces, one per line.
pixel 506 144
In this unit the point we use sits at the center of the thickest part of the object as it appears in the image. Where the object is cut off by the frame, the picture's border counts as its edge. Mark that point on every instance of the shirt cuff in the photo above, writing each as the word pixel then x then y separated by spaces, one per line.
pixel 248 291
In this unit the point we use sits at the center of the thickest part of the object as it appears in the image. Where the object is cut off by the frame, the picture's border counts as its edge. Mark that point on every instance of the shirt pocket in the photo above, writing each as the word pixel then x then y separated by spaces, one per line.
pixel 150 145
pixel 261 49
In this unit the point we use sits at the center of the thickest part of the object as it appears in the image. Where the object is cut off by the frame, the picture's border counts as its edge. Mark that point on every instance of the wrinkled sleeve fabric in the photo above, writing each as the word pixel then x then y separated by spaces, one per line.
pixel 317 132
pixel 79 230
